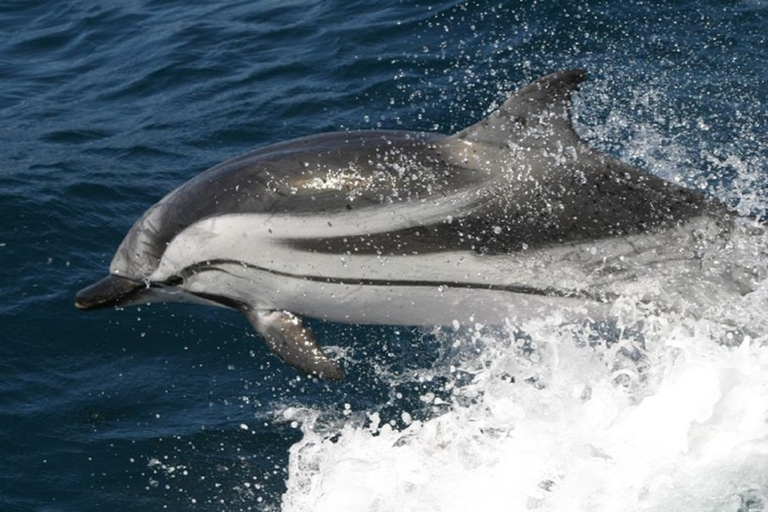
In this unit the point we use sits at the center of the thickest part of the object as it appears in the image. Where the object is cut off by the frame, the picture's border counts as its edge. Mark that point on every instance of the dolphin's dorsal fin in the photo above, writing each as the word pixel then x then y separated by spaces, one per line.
pixel 541 108
pixel 286 336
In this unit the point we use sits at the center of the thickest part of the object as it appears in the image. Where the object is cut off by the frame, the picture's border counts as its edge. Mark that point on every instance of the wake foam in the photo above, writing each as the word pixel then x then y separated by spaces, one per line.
pixel 560 417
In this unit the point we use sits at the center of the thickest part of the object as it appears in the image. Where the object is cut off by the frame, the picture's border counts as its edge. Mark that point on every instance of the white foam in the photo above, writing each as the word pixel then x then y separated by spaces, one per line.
pixel 683 428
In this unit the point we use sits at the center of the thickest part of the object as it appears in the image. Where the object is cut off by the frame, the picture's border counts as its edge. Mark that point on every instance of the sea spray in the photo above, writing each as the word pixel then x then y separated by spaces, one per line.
pixel 564 417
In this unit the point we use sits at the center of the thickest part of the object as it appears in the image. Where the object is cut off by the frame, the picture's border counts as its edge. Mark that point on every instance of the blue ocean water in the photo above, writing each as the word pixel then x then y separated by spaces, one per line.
pixel 107 106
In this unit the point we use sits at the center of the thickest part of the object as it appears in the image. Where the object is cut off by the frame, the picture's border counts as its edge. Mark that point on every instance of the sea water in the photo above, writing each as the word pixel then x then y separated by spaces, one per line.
pixel 105 107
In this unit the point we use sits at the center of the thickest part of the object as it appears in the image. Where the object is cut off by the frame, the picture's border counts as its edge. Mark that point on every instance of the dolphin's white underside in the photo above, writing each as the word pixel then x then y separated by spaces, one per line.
pixel 263 270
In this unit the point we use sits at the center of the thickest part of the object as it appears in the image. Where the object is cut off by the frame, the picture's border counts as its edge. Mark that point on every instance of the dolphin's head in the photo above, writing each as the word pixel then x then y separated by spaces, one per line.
pixel 134 262
pixel 133 277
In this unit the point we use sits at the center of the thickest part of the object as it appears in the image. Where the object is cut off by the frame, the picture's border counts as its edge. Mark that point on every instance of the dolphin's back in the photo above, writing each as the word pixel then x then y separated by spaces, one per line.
pixel 519 178
pixel 327 173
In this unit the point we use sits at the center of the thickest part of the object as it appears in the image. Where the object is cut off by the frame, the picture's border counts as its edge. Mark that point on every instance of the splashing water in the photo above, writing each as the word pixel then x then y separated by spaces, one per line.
pixel 663 419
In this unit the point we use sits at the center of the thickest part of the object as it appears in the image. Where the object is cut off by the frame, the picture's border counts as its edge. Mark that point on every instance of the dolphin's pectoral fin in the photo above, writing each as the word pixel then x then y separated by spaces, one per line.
pixel 286 336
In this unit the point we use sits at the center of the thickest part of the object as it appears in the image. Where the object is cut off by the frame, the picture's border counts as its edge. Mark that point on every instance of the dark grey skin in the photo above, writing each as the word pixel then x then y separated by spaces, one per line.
pixel 519 180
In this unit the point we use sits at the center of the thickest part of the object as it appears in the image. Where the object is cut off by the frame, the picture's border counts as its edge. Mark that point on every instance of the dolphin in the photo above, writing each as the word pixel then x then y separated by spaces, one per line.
pixel 512 217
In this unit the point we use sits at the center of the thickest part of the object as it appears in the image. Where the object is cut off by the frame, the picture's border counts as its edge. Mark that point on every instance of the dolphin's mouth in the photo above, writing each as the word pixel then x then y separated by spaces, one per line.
pixel 110 291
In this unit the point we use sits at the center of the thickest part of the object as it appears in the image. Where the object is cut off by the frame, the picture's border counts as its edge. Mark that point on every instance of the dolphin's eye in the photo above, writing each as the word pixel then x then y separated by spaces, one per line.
pixel 174 281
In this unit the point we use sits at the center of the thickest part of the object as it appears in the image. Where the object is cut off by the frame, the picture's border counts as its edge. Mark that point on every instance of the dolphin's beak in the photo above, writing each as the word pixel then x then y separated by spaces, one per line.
pixel 110 291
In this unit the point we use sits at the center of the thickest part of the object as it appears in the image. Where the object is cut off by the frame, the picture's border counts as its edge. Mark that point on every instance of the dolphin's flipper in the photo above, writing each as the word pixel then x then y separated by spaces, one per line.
pixel 288 339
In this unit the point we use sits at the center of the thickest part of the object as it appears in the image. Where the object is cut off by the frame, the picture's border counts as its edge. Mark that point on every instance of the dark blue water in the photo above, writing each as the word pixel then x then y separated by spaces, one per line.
pixel 107 106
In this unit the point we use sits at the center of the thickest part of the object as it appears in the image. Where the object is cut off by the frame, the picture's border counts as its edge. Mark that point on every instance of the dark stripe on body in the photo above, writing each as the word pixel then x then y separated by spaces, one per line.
pixel 351 281
pixel 608 205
